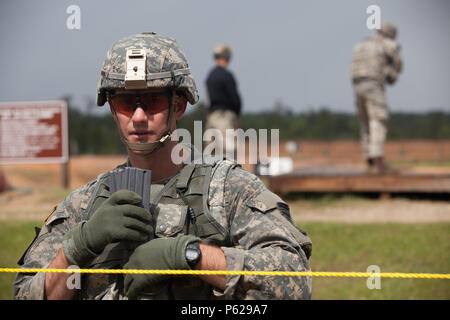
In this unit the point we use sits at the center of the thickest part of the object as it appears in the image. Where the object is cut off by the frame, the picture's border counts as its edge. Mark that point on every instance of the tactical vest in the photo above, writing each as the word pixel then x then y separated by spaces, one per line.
pixel 368 60
pixel 180 207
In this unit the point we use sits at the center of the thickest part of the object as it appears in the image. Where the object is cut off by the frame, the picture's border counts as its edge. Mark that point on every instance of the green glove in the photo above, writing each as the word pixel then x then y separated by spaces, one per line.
pixel 118 218
pixel 157 254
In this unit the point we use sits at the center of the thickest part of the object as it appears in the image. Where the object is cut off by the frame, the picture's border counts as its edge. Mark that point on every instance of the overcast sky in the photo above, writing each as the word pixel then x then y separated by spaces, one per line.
pixel 296 52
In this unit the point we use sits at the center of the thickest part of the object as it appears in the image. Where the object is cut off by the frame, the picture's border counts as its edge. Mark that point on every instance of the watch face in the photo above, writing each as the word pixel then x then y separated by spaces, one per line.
pixel 191 254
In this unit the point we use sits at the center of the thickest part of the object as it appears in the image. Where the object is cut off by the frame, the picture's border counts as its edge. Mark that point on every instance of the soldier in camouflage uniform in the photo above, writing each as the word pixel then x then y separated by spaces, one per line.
pixel 209 215
pixel 376 61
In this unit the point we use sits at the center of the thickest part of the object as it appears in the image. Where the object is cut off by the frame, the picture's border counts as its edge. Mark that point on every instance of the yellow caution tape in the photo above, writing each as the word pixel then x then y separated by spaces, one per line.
pixel 252 273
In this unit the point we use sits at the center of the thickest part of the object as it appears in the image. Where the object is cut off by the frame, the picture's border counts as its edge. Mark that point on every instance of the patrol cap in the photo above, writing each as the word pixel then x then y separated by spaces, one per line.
pixel 222 51
pixel 388 29
pixel 146 60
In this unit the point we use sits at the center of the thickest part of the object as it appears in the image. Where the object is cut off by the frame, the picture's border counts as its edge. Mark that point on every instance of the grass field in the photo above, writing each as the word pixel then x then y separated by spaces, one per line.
pixel 393 247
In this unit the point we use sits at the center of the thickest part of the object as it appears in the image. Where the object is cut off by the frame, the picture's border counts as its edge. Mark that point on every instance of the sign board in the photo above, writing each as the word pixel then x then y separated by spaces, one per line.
pixel 33 132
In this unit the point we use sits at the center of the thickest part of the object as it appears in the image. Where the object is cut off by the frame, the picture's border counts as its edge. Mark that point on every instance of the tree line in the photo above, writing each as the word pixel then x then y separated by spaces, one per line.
pixel 97 134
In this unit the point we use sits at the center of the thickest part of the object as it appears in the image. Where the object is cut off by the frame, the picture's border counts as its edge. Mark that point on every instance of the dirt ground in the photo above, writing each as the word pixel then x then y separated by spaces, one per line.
pixel 38 190
pixel 370 211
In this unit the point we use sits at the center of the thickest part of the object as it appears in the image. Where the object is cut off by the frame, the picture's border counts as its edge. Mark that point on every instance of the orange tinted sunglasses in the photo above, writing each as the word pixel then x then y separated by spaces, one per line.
pixel 150 102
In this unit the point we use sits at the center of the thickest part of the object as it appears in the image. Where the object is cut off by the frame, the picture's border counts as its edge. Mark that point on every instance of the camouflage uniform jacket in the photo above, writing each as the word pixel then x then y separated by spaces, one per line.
pixel 378 59
pixel 256 233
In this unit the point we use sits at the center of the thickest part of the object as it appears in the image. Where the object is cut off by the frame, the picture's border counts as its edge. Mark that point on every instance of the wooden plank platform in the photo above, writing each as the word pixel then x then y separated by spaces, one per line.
pixel 354 180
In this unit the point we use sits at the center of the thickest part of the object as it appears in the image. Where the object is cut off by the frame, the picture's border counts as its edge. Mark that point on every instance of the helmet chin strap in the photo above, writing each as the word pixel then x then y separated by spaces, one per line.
pixel 151 147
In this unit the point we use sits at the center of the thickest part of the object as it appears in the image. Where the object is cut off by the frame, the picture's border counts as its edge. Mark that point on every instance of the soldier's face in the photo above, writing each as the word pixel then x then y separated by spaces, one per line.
pixel 142 114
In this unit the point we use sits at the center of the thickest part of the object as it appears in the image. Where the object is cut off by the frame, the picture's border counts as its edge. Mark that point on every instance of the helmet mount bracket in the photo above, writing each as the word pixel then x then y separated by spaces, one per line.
pixel 135 78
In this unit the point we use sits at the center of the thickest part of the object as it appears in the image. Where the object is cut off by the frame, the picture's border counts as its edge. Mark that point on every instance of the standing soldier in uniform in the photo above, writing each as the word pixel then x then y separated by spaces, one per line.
pixel 225 102
pixel 376 61
pixel 208 216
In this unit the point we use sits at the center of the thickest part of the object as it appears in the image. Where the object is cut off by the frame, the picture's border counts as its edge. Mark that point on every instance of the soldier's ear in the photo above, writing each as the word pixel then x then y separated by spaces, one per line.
pixel 181 107
pixel 113 112
pixel 109 103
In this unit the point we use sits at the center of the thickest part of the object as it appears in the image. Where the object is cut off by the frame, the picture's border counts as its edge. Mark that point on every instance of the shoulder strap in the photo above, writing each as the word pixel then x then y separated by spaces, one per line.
pixel 181 187
pixel 185 176
pixel 166 187
pixel 102 181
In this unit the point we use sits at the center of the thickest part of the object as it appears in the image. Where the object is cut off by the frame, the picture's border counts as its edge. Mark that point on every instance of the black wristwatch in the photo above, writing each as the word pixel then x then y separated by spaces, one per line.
pixel 193 253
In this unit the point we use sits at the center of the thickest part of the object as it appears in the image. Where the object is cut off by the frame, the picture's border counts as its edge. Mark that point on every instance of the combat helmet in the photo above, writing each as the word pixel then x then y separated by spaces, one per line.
pixel 142 61
pixel 388 29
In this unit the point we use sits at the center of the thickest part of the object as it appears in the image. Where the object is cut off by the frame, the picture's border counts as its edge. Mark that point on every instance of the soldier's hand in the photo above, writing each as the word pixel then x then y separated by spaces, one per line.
pixel 157 254
pixel 118 218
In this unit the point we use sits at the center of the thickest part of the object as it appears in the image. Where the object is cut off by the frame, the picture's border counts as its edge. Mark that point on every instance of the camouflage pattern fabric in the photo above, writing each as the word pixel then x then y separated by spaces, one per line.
pixel 254 218
pixel 166 66
pixel 373 117
pixel 388 29
pixel 376 58
pixel 376 61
